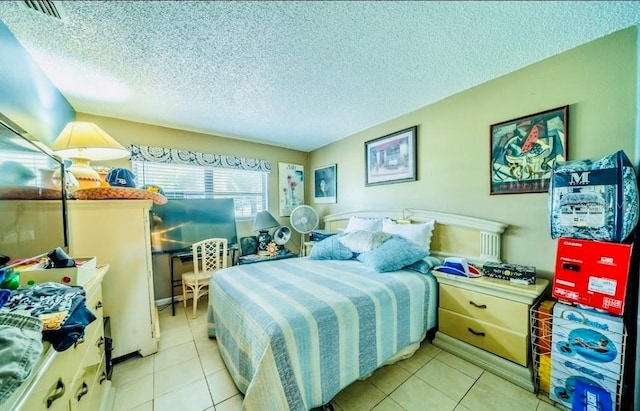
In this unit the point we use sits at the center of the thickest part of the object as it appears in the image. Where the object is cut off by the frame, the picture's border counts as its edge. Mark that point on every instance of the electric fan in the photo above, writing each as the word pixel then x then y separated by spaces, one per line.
pixel 281 235
pixel 304 219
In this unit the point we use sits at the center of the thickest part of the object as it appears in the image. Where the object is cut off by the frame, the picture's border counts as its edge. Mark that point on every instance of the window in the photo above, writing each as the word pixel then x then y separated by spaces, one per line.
pixel 248 188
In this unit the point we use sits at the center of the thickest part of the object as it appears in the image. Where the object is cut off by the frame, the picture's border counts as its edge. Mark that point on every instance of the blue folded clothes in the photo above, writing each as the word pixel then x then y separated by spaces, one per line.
pixel 61 308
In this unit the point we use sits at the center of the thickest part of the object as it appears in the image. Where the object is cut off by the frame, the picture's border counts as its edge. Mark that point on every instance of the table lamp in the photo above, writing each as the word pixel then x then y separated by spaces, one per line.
pixel 263 222
pixel 81 142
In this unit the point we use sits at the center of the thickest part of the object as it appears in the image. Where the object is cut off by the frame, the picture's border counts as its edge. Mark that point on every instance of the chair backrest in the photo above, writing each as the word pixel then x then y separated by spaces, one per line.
pixel 209 255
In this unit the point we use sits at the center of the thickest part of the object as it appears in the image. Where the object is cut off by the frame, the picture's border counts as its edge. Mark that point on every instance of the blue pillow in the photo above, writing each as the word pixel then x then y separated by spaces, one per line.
pixel 392 255
pixel 330 249
pixel 425 265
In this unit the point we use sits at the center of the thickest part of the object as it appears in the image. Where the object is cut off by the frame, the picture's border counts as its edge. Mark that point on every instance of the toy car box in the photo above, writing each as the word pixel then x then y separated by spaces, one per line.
pixel 595 200
pixel 84 270
pixel 588 339
pixel 513 272
pixel 592 273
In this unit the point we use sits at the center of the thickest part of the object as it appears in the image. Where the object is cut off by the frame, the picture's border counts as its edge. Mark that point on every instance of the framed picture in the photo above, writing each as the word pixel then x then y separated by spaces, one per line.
pixel 524 149
pixel 391 158
pixel 325 184
pixel 290 187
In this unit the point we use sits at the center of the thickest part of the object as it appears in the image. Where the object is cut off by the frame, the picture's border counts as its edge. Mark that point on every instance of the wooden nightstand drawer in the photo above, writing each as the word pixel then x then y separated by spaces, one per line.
pixel 503 342
pixel 498 311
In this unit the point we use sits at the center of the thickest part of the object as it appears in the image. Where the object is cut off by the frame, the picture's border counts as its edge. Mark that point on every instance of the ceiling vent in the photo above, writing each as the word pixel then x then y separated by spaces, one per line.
pixel 46 7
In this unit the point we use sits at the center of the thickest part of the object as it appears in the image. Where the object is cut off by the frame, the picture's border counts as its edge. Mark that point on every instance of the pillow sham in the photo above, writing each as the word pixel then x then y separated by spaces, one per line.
pixel 425 265
pixel 363 224
pixel 361 241
pixel 418 234
pixel 392 255
pixel 330 249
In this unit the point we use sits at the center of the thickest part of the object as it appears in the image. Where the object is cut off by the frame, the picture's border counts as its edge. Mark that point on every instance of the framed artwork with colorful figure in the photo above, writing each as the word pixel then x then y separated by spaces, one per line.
pixel 524 149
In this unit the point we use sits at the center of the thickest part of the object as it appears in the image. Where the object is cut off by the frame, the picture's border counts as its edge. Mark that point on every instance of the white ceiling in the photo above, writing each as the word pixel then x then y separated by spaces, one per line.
pixel 294 74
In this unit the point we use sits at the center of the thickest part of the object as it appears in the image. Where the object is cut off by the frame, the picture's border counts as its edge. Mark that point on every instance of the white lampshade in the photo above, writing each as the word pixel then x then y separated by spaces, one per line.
pixel 81 142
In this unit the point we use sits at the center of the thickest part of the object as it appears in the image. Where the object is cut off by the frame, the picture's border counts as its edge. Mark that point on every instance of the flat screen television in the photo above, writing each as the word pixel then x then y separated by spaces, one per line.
pixel 179 223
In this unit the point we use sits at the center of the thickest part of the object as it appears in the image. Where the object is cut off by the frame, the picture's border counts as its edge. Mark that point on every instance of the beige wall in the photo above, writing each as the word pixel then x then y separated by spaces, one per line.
pixel 597 81
pixel 127 132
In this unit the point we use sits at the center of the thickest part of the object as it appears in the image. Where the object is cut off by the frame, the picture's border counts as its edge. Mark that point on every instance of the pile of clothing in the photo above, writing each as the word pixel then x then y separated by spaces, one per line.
pixel 51 312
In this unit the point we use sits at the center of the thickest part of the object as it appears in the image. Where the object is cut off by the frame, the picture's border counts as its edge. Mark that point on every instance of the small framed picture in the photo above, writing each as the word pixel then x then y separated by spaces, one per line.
pixel 391 158
pixel 325 185
pixel 524 149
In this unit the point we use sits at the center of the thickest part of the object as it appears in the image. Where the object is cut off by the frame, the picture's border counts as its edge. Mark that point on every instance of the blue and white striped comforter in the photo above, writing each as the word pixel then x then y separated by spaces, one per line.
pixel 294 332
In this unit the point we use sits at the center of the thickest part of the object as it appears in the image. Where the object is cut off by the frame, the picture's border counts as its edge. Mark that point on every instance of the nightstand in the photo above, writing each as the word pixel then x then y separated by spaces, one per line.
pixel 308 245
pixel 486 321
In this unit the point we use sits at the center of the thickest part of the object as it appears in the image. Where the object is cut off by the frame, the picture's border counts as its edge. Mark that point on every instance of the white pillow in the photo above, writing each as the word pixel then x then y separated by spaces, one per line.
pixel 363 224
pixel 419 234
pixel 361 241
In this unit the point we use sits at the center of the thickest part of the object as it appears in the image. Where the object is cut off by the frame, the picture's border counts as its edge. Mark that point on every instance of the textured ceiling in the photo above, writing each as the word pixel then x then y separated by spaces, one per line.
pixel 294 74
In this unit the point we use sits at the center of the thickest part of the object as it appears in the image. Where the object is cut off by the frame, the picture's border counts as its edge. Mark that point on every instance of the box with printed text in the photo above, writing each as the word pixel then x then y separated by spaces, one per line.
pixel 592 273
pixel 589 340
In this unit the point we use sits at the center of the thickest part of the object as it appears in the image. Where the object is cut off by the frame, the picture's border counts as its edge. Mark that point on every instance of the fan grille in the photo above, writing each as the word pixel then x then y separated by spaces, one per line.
pixel 304 219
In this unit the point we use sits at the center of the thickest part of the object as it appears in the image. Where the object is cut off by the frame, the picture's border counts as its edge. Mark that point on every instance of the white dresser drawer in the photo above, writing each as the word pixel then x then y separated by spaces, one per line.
pixel 498 311
pixel 500 341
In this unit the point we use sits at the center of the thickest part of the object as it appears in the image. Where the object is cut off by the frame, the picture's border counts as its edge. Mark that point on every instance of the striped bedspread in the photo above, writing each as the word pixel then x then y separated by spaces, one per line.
pixel 294 332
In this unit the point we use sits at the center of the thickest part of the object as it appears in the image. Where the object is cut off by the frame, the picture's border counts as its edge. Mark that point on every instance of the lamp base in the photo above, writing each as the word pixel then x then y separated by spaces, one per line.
pixel 264 238
pixel 87 177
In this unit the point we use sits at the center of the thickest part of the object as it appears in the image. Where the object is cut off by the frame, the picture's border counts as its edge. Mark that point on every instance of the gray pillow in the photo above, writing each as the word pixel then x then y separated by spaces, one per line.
pixel 425 265
pixel 330 249
pixel 392 255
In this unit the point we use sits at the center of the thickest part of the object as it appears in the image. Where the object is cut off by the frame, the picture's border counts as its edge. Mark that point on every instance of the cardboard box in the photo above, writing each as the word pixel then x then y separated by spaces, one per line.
pixel 543 328
pixel 588 397
pixel 588 339
pixel 592 273
pixel 520 274
pixel 85 270
pixel 565 375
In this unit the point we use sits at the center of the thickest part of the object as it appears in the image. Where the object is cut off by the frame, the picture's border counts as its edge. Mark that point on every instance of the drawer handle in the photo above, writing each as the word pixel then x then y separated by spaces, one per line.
pixel 100 342
pixel 79 341
pixel 84 389
pixel 99 305
pixel 478 333
pixel 59 392
pixel 103 377
pixel 482 306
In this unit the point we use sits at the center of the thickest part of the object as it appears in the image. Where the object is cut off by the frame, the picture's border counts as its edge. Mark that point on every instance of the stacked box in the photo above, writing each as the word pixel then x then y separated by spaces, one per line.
pixel 586 346
pixel 594 200
pixel 592 273
pixel 513 272
pixel 544 372
pixel 588 397
pixel 567 374
pixel 544 326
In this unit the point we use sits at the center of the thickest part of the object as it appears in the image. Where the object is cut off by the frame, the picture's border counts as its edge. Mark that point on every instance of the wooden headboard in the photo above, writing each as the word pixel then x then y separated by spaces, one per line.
pixel 475 239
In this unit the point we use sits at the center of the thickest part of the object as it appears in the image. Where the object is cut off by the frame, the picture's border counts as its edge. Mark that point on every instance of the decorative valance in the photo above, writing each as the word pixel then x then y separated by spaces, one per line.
pixel 173 156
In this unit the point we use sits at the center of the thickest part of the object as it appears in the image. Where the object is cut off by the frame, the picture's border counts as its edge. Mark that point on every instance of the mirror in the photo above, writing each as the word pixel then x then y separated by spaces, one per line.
pixel 33 217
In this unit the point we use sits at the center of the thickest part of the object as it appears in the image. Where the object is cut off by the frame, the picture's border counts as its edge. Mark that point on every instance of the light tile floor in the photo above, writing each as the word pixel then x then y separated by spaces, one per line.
pixel 188 374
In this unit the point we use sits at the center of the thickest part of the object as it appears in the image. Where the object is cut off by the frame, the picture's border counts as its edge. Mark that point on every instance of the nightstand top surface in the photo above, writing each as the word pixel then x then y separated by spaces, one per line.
pixel 497 287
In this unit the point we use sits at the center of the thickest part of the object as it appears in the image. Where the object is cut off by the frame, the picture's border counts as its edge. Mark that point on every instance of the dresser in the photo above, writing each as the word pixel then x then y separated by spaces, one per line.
pixel 74 379
pixel 118 233
pixel 486 321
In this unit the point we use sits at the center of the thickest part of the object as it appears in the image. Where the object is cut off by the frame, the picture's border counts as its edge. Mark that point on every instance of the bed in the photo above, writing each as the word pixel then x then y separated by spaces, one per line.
pixel 294 332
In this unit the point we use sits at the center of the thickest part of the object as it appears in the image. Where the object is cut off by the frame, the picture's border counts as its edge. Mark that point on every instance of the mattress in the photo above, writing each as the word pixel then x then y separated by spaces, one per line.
pixel 295 332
